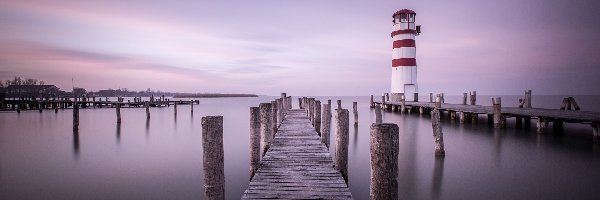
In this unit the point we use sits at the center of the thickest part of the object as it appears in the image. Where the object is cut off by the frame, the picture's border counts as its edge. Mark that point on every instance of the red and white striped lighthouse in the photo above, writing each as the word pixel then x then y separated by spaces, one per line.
pixel 404 62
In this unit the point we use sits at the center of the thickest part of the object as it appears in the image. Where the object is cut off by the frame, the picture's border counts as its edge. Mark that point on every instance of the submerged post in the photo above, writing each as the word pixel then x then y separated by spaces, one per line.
pixel 318 117
pixel 438 135
pixel 266 133
pixel 212 155
pixel 384 150
pixel 75 119
pixel 118 108
pixel 341 139
pixel 147 105
pixel 325 124
pixel 355 110
pixel 254 140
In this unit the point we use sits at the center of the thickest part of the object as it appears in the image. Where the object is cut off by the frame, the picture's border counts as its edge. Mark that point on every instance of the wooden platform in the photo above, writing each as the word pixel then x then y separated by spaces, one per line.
pixel 550 114
pixel 297 165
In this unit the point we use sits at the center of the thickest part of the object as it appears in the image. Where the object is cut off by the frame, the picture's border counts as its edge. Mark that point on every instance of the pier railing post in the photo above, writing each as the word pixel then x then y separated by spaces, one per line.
pixel 279 111
pixel 318 117
pixel 355 111
pixel 266 134
pixel 254 140
pixel 438 135
pixel 384 150
pixel 326 124
pixel 473 99
pixel 497 107
pixel 213 156
pixel 341 139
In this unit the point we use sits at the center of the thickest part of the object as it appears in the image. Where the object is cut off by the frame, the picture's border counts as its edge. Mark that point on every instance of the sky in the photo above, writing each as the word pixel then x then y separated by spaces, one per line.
pixel 302 47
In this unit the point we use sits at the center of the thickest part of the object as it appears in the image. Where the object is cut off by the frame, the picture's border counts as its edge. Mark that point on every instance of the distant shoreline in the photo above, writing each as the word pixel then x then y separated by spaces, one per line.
pixel 212 95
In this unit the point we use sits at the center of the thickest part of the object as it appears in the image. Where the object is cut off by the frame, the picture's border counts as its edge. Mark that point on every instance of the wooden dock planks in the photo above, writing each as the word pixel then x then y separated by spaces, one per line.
pixel 297 165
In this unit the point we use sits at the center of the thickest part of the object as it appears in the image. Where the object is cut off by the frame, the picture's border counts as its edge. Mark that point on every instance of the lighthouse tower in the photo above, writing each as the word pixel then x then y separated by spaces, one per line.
pixel 404 62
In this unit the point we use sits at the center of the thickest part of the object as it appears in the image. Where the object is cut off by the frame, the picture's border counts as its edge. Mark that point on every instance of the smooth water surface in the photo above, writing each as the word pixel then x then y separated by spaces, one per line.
pixel 161 158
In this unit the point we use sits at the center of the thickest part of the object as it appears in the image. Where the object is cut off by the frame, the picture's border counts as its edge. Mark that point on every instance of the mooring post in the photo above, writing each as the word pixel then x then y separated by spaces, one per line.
pixel 341 139
pixel 473 99
pixel 438 135
pixel 378 115
pixel 384 150
pixel 318 117
pixel 326 124
pixel 339 104
pixel 213 156
pixel 311 110
pixel 464 101
pixel 371 104
pixel 254 140
pixel 387 96
pixel 266 130
pixel 273 118
pixel 355 111
pixel 382 102
pixel 431 97
pixel 279 111
pixel 527 98
pixel 75 119
pixel 191 106
pixel 300 103
pixel 402 103
pixel 118 109
pixel 497 106
pixel 416 97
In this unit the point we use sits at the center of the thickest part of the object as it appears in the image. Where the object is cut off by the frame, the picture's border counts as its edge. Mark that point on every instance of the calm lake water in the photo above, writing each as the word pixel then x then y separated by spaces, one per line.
pixel 162 158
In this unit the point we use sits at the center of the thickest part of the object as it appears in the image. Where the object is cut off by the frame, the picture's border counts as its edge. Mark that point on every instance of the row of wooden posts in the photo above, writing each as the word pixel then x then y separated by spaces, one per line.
pixel 118 111
pixel 33 103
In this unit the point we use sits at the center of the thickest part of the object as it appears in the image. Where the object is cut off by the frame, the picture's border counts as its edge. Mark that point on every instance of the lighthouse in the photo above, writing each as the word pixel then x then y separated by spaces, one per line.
pixel 404 62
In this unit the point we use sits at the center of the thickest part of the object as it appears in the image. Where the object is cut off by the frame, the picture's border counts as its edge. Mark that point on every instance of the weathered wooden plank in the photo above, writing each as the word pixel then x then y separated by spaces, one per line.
pixel 297 165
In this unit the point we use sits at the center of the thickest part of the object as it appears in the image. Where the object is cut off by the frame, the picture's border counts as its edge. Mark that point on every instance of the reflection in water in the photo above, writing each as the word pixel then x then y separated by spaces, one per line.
pixel 498 147
pixel 407 160
pixel 438 175
pixel 76 144
pixel 118 133
pixel 147 126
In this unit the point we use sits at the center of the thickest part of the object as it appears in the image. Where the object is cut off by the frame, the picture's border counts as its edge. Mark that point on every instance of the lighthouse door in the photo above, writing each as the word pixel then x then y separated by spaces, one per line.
pixel 409 92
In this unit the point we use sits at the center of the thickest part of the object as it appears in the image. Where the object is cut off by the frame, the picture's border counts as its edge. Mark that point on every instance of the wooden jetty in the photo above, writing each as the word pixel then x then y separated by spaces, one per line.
pixel 297 165
pixel 34 103
pixel 465 112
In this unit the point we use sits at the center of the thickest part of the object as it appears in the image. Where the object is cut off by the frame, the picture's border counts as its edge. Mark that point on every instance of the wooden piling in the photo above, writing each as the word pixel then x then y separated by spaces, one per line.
pixel 192 106
pixel 371 104
pixel 342 137
pixel 355 111
pixel 431 97
pixel 438 135
pixel 318 117
pixel 75 119
pixel 213 157
pixel 497 107
pixel 118 109
pixel 279 111
pixel 266 130
pixel 274 118
pixel 464 101
pixel 175 108
pixel 473 99
pixel 254 140
pixel 326 124
pixel 542 125
pixel 527 98
pixel 339 104
pixel 147 105
pixel 384 148
pixel 378 115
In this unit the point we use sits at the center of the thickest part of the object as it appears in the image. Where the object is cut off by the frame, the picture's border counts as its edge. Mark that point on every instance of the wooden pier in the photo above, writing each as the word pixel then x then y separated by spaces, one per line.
pixel 464 112
pixel 32 103
pixel 297 165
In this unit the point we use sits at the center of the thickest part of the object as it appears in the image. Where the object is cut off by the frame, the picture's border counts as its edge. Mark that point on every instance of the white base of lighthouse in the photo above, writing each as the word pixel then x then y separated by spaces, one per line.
pixel 404 81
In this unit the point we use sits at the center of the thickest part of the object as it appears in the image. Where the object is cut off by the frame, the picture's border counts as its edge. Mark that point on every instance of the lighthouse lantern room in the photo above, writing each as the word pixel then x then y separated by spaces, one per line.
pixel 404 63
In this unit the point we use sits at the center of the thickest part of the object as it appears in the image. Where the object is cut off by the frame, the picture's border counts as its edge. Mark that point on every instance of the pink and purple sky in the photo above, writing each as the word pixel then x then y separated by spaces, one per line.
pixel 302 47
